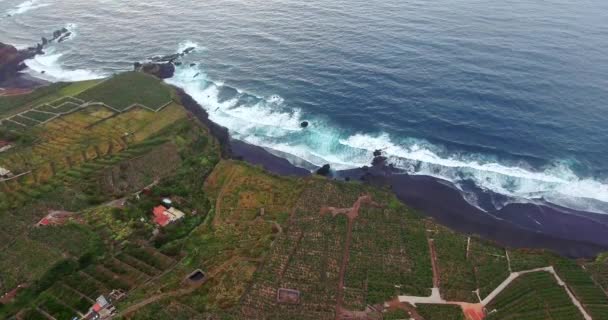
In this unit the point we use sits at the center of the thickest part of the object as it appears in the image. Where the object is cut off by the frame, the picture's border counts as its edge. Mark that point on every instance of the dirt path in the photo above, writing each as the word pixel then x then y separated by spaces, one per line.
pixel 351 213
pixel 436 280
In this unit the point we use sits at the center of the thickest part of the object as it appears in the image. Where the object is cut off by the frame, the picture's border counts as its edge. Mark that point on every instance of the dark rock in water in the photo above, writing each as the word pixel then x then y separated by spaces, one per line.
pixel 324 170
pixel 45 41
pixel 177 63
pixel 188 50
pixel 43 72
pixel 136 66
pixel 192 64
pixel 196 75
pixel 160 70
pixel 379 161
pixel 304 124
pixel 377 153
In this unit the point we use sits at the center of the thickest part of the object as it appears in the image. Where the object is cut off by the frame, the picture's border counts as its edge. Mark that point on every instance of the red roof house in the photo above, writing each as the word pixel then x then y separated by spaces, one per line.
pixel 160 217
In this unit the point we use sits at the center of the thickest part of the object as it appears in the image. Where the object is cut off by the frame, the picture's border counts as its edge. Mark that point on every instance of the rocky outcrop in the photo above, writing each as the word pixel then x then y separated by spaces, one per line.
pixel 161 70
pixel 12 59
pixel 162 67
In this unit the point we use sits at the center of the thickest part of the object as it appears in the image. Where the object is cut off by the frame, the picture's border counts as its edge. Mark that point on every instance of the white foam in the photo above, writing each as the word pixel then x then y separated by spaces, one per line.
pixel 48 67
pixel 271 123
pixel 187 44
pixel 26 6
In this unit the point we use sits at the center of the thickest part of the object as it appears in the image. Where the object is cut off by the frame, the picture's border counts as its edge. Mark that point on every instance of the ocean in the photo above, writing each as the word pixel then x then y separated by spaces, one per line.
pixel 509 97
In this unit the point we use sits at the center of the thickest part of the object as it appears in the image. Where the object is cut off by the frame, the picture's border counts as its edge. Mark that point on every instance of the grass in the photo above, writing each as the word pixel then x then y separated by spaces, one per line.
pixel 125 89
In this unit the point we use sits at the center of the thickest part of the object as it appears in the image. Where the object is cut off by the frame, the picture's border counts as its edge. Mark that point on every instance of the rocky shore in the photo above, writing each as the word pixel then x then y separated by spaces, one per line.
pixel 162 67
pixel 12 60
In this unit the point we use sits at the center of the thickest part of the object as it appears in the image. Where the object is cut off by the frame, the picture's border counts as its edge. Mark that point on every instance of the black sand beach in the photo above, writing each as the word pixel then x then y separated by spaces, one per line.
pixel 567 232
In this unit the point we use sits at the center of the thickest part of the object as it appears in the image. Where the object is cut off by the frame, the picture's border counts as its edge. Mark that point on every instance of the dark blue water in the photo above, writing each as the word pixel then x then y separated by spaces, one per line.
pixel 509 95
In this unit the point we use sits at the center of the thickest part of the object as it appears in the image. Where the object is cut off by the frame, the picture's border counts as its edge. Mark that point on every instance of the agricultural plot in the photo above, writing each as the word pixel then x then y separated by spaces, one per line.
pixel 72 141
pixel 126 89
pixel 599 271
pixel 11 105
pixel 489 263
pixel 523 259
pixel 389 257
pixel 306 258
pixel 533 296
pixel 440 312
pixel 592 297
pixel 39 116
pixel 457 275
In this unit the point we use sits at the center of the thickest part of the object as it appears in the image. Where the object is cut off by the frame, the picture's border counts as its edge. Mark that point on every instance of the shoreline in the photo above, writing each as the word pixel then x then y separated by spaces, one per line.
pixel 568 232
pixel 571 233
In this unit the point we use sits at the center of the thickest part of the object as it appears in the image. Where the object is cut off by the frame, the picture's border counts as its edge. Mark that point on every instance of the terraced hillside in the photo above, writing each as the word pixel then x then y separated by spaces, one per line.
pixel 92 163
pixel 75 165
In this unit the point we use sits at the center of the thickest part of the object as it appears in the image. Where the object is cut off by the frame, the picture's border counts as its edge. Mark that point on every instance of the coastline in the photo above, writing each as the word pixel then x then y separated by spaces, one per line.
pixel 568 232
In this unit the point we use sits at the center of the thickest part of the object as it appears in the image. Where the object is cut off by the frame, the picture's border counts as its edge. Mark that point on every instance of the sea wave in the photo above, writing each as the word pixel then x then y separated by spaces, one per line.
pixel 26 6
pixel 269 122
pixel 48 66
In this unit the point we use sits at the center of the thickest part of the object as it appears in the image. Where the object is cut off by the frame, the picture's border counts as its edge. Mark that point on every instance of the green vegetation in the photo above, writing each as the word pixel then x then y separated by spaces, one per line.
pixel 442 312
pixel 125 89
pixel 457 276
pixel 10 103
pixel 534 296
pixel 489 263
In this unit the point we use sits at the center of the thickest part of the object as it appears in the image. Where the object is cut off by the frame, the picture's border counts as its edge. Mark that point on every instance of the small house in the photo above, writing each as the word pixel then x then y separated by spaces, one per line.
pixel 164 216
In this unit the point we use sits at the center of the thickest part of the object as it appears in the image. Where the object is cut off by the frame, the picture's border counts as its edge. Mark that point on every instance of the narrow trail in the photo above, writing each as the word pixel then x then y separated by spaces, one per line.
pixel 351 213
pixel 436 280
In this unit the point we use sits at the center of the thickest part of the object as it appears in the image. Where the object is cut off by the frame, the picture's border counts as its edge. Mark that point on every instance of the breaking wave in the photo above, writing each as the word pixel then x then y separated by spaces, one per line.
pixel 26 6
pixel 269 122
pixel 48 66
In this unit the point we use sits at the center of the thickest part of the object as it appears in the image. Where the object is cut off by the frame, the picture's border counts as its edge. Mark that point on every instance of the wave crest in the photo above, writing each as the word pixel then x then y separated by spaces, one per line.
pixel 25 7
